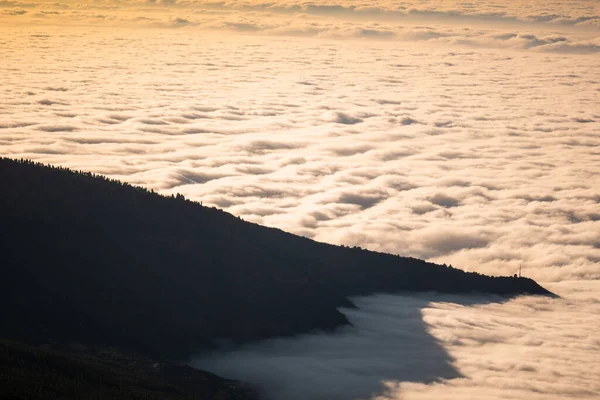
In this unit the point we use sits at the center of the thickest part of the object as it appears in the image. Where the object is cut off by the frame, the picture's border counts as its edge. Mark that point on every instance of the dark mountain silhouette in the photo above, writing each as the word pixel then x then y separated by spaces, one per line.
pixel 77 372
pixel 96 261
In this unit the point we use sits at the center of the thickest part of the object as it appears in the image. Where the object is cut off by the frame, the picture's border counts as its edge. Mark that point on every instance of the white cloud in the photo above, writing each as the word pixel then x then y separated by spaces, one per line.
pixel 448 154
pixel 435 346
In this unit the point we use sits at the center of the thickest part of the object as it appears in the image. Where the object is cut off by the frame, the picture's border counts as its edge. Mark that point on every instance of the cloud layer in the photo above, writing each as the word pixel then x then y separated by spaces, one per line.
pixel 435 347
pixel 483 159
pixel 465 134
pixel 560 27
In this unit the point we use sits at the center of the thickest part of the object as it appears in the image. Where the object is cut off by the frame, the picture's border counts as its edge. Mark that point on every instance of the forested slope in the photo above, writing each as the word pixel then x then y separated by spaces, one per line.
pixel 89 259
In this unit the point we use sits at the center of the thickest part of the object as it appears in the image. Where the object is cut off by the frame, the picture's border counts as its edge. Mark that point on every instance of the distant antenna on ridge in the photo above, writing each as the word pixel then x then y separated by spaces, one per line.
pixel 520 270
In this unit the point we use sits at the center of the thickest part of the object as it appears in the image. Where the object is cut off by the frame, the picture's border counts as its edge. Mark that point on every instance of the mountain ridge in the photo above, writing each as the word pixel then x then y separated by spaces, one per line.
pixel 99 261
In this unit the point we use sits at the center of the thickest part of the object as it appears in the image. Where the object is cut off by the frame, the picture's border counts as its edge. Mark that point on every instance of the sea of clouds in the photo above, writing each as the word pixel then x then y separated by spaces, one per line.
pixel 433 346
pixel 569 26
pixel 466 134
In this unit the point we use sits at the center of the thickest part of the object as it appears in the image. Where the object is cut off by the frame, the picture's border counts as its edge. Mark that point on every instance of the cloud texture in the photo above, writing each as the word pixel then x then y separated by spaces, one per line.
pixel 561 27
pixel 483 159
pixel 435 347
pixel 464 134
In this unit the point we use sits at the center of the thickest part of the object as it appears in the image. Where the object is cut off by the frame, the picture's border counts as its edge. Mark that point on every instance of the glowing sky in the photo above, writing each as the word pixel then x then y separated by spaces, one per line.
pixel 465 133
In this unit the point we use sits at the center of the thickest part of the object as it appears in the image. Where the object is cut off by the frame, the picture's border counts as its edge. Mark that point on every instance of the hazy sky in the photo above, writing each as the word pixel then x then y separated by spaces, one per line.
pixel 465 133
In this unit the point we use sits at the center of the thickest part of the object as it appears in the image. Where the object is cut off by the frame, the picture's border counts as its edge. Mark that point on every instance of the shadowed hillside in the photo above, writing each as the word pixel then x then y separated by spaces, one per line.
pixel 89 259
pixel 77 372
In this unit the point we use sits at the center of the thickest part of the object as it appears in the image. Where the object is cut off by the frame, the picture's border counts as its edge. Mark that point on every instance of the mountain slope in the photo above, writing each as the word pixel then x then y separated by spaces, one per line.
pixel 93 260
pixel 77 372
